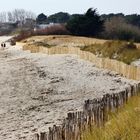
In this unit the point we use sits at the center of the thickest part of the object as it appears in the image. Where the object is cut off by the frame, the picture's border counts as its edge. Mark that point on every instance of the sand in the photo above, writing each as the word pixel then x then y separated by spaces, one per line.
pixel 37 90
pixel 136 63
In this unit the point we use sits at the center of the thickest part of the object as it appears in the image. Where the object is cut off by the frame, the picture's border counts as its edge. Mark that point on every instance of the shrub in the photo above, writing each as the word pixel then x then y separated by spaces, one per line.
pixel 117 28
pixel 124 124
pixel 23 34
pixel 89 24
pixel 119 50
pixel 53 30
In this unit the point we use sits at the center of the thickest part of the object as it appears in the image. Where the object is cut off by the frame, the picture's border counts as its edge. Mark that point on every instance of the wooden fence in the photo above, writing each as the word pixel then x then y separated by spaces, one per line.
pixel 95 113
pixel 128 71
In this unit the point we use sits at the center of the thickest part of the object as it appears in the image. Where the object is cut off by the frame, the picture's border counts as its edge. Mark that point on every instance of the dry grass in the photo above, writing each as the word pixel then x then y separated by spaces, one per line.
pixel 70 39
pixel 118 50
pixel 122 125
pixel 67 39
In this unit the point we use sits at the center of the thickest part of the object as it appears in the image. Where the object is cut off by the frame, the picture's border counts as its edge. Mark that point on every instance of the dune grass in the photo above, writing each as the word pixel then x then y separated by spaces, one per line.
pixel 122 125
pixel 124 51
pixel 119 50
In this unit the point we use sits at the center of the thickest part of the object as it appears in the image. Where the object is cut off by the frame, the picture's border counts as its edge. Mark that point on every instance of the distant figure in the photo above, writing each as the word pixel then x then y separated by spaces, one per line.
pixel 4 45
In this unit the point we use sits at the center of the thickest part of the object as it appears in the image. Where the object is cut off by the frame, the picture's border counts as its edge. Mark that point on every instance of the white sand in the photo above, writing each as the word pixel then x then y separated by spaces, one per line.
pixel 37 90
pixel 136 63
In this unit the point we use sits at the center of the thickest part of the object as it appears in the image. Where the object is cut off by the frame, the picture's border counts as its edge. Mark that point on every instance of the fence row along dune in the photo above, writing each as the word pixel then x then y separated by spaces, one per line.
pixel 128 71
pixel 95 112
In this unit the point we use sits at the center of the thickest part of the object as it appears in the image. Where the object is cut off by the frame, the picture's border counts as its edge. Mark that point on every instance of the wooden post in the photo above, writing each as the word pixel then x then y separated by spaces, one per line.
pixel 36 136
pixel 43 136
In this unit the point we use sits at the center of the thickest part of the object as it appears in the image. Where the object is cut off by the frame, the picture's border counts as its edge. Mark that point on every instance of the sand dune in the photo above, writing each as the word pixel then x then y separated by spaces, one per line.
pixel 37 90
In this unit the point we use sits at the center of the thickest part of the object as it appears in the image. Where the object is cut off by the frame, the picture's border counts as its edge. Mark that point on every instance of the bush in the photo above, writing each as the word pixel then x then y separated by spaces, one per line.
pixel 5 31
pixel 119 50
pixel 53 30
pixel 23 34
pixel 89 24
pixel 117 28
pixel 123 124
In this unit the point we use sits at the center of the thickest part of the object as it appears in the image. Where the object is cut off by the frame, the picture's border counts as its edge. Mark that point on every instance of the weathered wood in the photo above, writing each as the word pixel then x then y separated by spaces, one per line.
pixel 131 72
pixel 95 112
pixel 43 136
pixel 36 136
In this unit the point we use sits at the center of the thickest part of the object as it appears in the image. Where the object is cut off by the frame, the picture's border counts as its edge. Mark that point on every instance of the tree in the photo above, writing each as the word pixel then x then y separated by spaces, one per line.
pixel 20 15
pixel 60 17
pixel 89 24
pixel 133 19
pixel 118 28
pixel 10 17
pixel 41 18
pixel 3 17
pixel 111 15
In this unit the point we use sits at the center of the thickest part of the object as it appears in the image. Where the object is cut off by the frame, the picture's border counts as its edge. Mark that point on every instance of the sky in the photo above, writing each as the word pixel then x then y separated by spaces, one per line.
pixel 49 7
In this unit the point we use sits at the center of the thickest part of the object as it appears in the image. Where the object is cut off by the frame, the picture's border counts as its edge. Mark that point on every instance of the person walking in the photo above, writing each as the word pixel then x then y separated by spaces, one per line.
pixel 4 45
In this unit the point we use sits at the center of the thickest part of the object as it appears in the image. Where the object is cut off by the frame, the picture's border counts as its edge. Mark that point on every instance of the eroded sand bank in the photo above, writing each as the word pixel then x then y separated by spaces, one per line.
pixel 37 90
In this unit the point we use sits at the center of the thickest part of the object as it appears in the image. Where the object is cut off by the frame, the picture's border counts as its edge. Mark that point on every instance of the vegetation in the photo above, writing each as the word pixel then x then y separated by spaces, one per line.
pixel 107 26
pixel 7 28
pixel 88 24
pixel 118 28
pixel 111 15
pixel 41 18
pixel 23 34
pixel 53 30
pixel 44 44
pixel 119 50
pixel 114 26
pixel 133 19
pixel 124 51
pixel 17 15
pixel 122 125
pixel 60 17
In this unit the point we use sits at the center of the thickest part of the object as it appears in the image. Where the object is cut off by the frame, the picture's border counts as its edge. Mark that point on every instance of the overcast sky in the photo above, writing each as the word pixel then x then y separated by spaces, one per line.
pixel 72 6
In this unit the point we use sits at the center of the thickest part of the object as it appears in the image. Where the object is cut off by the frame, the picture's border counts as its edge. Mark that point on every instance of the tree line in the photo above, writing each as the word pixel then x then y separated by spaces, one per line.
pixel 108 26
pixel 16 15
pixel 91 23
pixel 63 17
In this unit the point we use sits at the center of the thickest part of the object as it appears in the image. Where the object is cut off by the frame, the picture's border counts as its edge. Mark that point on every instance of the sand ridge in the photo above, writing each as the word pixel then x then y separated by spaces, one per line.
pixel 37 90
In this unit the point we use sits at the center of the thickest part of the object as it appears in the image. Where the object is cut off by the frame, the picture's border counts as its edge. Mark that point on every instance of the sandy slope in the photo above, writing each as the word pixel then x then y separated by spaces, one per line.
pixel 37 90
pixel 136 63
